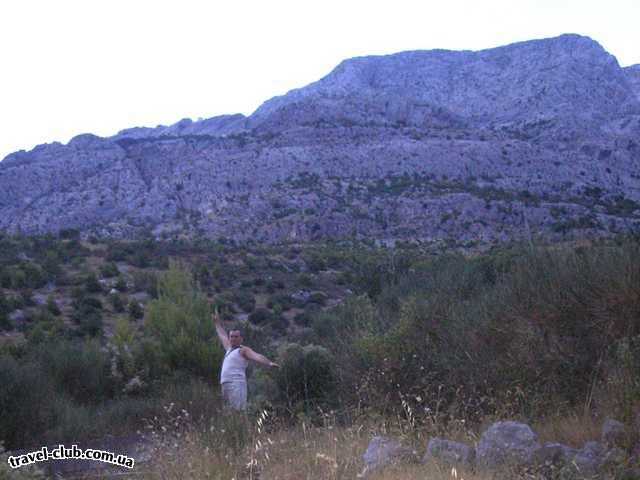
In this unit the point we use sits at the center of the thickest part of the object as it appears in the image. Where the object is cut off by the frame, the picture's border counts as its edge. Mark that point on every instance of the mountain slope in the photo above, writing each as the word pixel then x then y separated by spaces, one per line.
pixel 534 137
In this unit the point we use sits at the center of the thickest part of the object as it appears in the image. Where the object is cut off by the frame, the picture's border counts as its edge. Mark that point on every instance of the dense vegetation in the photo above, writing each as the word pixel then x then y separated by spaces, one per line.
pixel 98 336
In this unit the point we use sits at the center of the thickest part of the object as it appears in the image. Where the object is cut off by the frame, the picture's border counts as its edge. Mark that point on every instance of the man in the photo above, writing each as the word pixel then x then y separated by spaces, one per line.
pixel 233 376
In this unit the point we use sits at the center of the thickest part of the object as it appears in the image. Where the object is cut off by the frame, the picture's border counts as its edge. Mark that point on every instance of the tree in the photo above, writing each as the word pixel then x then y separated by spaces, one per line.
pixel 180 321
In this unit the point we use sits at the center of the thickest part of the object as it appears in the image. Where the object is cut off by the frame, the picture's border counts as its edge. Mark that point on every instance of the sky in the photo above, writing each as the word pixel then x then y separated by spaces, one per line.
pixel 82 66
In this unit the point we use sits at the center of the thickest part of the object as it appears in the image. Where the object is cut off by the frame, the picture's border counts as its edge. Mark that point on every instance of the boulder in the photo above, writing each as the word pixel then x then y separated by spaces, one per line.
pixel 553 453
pixel 447 451
pixel 17 316
pixel 590 458
pixel 614 457
pixel 506 442
pixel 613 433
pixel 301 295
pixel 383 451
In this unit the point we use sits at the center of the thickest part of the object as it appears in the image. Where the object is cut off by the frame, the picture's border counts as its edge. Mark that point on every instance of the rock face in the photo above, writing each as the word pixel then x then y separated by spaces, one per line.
pixel 633 75
pixel 539 137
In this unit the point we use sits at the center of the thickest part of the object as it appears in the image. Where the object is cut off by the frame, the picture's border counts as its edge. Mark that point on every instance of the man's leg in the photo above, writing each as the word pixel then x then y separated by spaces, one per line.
pixel 235 395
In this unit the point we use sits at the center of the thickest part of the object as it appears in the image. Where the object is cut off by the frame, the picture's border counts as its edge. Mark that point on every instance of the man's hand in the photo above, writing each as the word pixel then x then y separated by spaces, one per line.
pixel 216 316
pixel 274 365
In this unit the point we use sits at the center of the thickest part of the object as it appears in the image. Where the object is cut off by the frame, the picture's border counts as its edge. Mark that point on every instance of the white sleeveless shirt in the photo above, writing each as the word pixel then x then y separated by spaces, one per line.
pixel 233 366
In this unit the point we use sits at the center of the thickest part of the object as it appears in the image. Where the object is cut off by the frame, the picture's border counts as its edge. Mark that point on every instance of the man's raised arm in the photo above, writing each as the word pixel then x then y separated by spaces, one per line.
pixel 222 335
pixel 256 357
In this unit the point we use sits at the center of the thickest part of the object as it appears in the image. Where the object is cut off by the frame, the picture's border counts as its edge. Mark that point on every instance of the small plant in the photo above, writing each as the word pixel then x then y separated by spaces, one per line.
pixel 136 312
pixel 109 270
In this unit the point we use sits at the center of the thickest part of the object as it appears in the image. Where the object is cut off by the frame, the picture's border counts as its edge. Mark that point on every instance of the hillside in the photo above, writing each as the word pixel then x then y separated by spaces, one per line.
pixel 538 137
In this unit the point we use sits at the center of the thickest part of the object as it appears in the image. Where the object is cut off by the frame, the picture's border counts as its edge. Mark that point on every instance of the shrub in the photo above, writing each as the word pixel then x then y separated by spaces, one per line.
pixel 87 314
pixel 305 280
pixel 25 401
pixel 180 321
pixel 146 282
pixel 318 297
pixel 203 276
pixel 121 284
pixel 245 300
pixel 90 323
pixel 306 378
pixel 26 298
pixel 5 278
pixel 109 269
pixel 52 306
pixel 136 312
pixel 81 370
pixel 260 316
pixel 303 319
pixel 45 328
pixel 116 303
pixel 91 284
pixel 35 277
pixel 281 299
pixel 316 262
pixel 5 309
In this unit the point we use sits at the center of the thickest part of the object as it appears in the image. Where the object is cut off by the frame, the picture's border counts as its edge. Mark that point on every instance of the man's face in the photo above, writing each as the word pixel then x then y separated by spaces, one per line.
pixel 235 338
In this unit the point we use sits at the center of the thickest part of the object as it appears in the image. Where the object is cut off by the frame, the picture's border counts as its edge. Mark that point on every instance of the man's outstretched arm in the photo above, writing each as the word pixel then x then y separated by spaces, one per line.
pixel 222 335
pixel 256 357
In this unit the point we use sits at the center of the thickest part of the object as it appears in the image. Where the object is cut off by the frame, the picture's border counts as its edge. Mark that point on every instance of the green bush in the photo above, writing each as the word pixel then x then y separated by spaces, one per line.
pixel 91 284
pixel 5 309
pixel 26 298
pixel 109 270
pixel 146 282
pixel 121 284
pixel 117 303
pixel 87 314
pixel 52 306
pixel 180 321
pixel 281 299
pixel 318 297
pixel 135 310
pixel 80 369
pixel 306 378
pixel 303 319
pixel 5 278
pixel 35 276
pixel 260 316
pixel 316 262
pixel 245 300
pixel 45 328
pixel 305 280
pixel 24 401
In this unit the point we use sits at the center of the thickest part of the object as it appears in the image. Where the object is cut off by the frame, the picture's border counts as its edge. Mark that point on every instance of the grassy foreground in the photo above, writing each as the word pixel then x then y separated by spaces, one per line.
pixel 228 448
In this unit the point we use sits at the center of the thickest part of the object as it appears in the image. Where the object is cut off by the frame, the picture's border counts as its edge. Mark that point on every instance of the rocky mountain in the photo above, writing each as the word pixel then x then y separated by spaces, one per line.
pixel 633 75
pixel 538 137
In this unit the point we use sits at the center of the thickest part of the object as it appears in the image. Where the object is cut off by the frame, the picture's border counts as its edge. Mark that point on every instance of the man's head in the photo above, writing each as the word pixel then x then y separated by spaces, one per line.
pixel 235 338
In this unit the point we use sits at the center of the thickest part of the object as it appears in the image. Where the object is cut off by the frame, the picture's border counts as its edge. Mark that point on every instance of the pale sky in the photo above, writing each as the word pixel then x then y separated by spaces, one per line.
pixel 85 66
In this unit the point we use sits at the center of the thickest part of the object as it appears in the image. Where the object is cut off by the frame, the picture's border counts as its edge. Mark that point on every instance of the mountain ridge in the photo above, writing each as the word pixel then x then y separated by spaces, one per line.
pixel 430 145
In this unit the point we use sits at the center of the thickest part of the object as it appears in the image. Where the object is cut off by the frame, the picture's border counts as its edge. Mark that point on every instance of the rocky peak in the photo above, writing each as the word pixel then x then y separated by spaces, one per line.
pixel 566 76
pixel 220 125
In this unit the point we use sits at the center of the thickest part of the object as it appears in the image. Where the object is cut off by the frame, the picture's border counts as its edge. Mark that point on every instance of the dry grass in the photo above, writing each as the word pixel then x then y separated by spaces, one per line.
pixel 574 429
pixel 299 452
